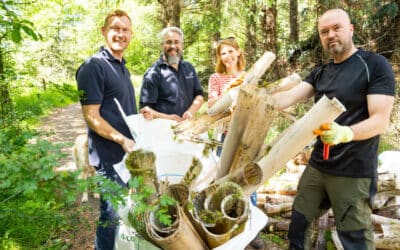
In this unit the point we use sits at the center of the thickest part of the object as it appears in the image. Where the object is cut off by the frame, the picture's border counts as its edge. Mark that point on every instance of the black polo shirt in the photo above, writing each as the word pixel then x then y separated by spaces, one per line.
pixel 169 91
pixel 100 79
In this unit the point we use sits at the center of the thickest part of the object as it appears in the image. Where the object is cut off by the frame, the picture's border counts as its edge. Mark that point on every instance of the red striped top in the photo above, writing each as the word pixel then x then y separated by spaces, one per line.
pixel 217 83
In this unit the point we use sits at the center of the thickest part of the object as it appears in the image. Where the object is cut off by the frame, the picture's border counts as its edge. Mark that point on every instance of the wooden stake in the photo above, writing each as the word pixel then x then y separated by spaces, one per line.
pixel 296 137
pixel 247 130
pixel 299 135
pixel 201 124
pixel 283 84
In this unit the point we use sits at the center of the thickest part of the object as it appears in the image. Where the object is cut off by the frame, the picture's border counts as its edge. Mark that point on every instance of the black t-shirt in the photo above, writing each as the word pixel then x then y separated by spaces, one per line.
pixel 169 91
pixel 100 79
pixel 364 73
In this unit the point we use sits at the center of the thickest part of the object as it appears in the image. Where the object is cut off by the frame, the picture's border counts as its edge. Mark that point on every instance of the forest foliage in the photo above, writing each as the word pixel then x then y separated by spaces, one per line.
pixel 42 43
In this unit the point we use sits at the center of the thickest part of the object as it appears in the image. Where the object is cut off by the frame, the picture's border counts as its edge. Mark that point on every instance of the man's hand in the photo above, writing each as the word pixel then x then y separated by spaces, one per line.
pixel 333 133
pixel 187 115
pixel 128 145
pixel 173 117
pixel 147 113
pixel 150 114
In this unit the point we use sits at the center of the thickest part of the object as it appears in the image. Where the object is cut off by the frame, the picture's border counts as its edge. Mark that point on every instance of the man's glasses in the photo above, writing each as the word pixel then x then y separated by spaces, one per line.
pixel 170 42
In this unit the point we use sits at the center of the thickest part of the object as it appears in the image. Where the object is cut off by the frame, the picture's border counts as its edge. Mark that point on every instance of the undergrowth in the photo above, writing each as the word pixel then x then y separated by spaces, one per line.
pixel 35 199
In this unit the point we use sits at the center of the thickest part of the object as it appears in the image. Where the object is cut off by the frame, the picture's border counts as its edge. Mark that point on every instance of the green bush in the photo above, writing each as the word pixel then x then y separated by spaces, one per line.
pixel 35 199
pixel 32 194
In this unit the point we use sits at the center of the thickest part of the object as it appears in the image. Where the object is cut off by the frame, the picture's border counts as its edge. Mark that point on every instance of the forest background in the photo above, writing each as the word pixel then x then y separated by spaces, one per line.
pixel 42 43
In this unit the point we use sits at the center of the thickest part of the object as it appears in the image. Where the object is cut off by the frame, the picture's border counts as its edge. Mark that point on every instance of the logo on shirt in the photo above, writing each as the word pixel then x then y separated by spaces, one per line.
pixel 190 76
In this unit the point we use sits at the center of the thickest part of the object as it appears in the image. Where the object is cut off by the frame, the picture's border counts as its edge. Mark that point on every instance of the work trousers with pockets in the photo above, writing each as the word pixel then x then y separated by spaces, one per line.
pixel 350 200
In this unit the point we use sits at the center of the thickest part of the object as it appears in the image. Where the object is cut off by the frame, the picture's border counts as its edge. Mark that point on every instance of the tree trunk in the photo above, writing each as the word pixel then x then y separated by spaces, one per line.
pixel 251 33
pixel 216 36
pixel 6 106
pixel 170 12
pixel 389 35
pixel 269 33
pixel 294 28
pixel 269 30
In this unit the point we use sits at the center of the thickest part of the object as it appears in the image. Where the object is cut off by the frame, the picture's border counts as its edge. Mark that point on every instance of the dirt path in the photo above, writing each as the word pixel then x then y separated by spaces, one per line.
pixel 62 126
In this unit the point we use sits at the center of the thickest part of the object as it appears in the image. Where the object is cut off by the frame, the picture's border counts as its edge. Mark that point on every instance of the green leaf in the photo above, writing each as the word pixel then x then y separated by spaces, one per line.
pixel 137 181
pixel 16 35
pixel 5 184
pixel 29 186
pixel 30 32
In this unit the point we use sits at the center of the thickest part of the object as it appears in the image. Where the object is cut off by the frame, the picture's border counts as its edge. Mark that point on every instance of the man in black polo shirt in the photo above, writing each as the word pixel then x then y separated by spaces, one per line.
pixel 171 89
pixel 100 79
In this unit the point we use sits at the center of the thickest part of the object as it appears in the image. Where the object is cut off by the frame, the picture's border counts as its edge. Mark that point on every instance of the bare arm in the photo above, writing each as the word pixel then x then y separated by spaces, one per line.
pixel 211 101
pixel 95 121
pixel 196 105
pixel 298 93
pixel 379 108
pixel 150 114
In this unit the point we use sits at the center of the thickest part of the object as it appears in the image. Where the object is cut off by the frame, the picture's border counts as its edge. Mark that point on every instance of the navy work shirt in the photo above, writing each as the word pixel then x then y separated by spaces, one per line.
pixel 169 91
pixel 100 79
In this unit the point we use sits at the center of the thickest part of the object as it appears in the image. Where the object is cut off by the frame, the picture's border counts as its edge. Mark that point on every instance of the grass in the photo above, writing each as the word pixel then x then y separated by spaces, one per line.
pixel 29 108
pixel 275 238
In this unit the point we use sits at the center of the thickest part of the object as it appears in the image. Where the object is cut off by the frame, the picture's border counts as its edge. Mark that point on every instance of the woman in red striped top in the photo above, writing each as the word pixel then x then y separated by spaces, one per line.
pixel 230 65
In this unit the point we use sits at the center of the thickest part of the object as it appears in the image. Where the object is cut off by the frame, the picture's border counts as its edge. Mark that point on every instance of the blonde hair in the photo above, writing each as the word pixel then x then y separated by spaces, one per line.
pixel 118 13
pixel 220 67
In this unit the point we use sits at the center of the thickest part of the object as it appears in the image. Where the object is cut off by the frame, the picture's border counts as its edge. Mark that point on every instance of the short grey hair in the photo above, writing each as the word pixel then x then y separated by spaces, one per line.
pixel 165 31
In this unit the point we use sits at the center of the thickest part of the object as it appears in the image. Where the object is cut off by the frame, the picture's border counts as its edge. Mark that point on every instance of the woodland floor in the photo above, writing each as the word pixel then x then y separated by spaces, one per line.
pixel 62 126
